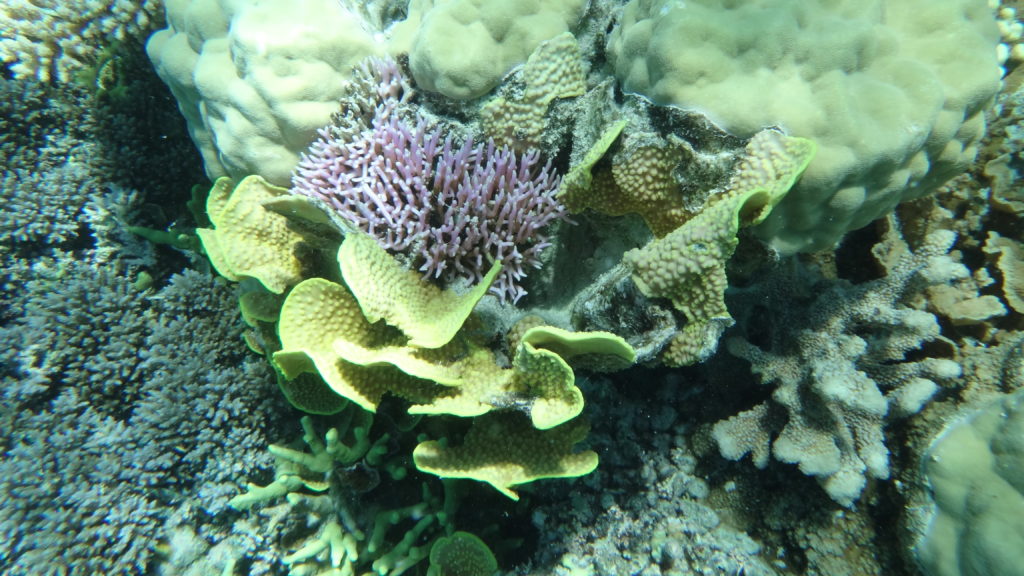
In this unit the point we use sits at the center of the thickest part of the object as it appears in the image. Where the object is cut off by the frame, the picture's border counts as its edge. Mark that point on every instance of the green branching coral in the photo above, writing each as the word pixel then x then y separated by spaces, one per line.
pixel 299 469
pixel 309 480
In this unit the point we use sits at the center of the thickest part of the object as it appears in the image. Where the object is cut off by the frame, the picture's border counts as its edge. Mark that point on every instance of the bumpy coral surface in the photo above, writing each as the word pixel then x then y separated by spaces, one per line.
pixel 53 39
pixel 976 475
pixel 842 372
pixel 891 91
pixel 462 48
pixel 255 80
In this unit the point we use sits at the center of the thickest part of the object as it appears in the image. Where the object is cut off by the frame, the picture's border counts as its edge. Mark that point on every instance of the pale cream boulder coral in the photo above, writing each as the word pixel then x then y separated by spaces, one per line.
pixel 463 48
pixel 975 471
pixel 892 92
pixel 256 79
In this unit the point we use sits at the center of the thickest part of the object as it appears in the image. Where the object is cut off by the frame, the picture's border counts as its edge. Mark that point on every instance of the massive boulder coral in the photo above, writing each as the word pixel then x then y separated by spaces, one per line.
pixel 893 92
pixel 253 84
pixel 975 471
pixel 463 48
pixel 841 367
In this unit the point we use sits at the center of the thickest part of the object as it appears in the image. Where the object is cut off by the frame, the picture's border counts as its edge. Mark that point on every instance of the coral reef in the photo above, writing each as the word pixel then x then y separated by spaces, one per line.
pixel 891 123
pixel 453 209
pixel 383 295
pixel 52 40
pixel 835 390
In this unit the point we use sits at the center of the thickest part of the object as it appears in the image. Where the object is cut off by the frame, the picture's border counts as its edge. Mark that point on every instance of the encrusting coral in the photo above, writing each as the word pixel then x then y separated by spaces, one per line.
pixel 554 70
pixel 504 451
pixel 640 181
pixel 1009 256
pixel 462 554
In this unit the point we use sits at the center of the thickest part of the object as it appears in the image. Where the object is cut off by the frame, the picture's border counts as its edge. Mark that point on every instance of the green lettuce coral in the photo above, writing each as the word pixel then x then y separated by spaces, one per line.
pixel 372 328
pixel 687 266
pixel 247 240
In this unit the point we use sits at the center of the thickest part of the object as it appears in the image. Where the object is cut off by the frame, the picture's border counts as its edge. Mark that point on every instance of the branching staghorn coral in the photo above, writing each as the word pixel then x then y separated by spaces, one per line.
pixel 452 208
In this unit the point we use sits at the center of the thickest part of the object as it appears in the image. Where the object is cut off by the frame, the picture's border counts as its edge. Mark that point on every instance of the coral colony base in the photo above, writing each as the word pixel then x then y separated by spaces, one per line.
pixel 438 287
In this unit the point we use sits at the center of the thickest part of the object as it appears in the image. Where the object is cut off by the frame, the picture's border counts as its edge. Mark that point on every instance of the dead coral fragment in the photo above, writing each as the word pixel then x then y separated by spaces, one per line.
pixel 1009 257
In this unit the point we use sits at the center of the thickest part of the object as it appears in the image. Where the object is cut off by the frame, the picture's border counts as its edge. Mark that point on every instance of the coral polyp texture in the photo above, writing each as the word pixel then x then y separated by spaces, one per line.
pixel 846 372
pixel 451 208
pixel 52 40
pixel 892 92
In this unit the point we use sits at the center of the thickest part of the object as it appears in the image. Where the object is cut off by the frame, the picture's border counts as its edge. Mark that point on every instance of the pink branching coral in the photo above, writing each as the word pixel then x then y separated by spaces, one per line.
pixel 452 208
